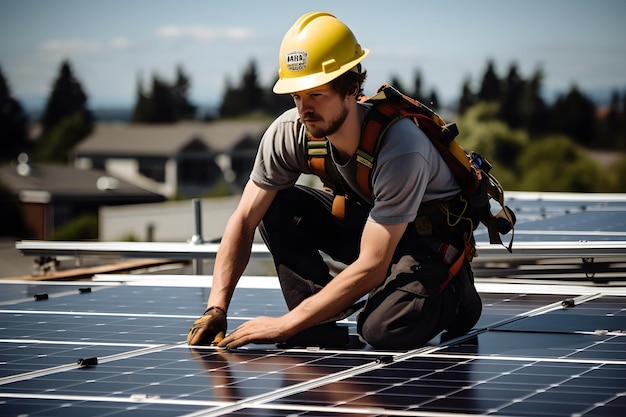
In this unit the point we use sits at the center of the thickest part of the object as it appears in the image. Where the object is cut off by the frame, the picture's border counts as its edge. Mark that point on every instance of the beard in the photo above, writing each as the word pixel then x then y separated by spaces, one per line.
pixel 331 127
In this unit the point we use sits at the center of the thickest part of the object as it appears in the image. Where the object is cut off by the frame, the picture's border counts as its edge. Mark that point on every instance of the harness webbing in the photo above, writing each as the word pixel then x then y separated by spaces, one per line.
pixel 471 172
pixel 389 106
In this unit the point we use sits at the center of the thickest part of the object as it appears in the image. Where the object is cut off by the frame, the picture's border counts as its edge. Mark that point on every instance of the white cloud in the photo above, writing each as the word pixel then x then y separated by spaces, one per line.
pixel 203 33
pixel 70 46
pixel 120 42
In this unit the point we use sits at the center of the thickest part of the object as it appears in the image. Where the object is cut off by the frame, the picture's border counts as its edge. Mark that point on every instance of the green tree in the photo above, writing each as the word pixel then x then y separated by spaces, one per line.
pixel 13 124
pixel 396 83
pixel 574 115
pixel 180 90
pixel 618 176
pixel 165 103
pixel 232 101
pixel 468 98
pixel 490 88
pixel 67 97
pixel 511 101
pixel 249 97
pixel 162 103
pixel 417 87
pixel 63 137
pixel 556 163
pixel 535 111
pixel 83 227
pixel 614 120
pixel 251 89
pixel 481 131
pixel 277 103
pixel 141 110
pixel 66 108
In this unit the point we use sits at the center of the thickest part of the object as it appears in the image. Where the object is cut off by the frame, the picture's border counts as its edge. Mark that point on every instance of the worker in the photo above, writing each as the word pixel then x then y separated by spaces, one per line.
pixel 394 266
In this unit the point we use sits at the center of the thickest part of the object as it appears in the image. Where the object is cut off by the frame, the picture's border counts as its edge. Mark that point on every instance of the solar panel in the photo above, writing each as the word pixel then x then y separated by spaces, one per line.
pixel 114 346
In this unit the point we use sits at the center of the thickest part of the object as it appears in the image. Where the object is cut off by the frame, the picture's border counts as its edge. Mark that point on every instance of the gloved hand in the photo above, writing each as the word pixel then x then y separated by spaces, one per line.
pixel 209 329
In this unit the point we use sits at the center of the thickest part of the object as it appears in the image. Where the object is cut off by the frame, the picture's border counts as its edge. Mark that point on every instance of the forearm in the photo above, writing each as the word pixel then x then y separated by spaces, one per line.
pixel 378 243
pixel 343 291
pixel 234 252
pixel 231 260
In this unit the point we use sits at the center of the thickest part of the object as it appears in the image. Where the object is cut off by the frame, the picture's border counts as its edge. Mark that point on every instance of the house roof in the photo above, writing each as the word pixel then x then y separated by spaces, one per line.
pixel 47 182
pixel 166 140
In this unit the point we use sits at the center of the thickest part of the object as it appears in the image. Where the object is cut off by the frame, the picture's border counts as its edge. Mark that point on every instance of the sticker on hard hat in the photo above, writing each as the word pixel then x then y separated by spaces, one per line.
pixel 296 60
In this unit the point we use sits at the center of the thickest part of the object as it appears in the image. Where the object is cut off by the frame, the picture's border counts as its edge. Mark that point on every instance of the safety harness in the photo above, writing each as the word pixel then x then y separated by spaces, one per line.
pixel 458 216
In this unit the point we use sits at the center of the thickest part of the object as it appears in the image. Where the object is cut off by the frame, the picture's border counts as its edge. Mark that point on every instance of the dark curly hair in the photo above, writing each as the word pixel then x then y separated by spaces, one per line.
pixel 350 82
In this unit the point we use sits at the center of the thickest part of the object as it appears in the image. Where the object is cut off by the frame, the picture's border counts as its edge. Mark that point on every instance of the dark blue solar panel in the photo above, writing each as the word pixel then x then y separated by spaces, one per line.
pixel 516 367
pixel 522 358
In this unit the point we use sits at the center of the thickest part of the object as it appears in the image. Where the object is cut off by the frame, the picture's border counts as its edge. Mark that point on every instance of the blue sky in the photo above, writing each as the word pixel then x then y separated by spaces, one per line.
pixel 111 43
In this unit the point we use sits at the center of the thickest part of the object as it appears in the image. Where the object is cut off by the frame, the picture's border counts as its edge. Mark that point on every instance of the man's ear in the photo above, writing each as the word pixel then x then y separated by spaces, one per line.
pixel 355 91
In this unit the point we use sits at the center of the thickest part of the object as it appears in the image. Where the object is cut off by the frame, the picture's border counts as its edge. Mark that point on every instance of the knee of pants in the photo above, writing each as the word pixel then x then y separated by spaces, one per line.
pixel 469 307
pixel 296 211
pixel 401 326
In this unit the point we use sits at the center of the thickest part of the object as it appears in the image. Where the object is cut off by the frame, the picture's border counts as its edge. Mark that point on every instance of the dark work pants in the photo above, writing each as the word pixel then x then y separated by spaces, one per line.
pixel 405 311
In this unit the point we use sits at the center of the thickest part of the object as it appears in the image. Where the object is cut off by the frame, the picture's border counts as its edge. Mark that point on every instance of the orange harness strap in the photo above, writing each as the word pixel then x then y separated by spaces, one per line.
pixel 466 255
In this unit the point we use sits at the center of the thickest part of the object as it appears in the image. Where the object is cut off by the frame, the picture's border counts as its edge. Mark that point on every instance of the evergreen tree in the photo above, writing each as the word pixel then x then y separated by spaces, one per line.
pixel 249 97
pixel 162 105
pixel 574 115
pixel 165 103
pixel 396 83
pixel 490 85
pixel 610 132
pixel 613 116
pixel 232 101
pixel 141 111
pixel 184 109
pixel 510 107
pixel 13 124
pixel 61 139
pixel 468 99
pixel 277 103
pixel 66 119
pixel 417 87
pixel 251 89
pixel 67 97
pixel 536 111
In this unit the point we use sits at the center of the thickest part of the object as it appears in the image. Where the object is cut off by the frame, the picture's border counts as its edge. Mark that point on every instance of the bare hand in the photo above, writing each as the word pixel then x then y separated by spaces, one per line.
pixel 259 330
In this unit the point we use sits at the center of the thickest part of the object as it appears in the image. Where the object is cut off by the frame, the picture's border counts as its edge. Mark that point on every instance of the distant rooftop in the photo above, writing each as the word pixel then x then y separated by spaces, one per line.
pixel 144 139
pixel 42 182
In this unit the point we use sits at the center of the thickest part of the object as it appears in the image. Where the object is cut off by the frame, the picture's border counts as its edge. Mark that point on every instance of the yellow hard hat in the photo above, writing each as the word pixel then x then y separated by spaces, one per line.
pixel 317 49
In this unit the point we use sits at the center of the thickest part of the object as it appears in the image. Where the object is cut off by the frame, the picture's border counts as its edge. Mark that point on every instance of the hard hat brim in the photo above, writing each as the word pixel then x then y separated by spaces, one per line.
pixel 291 85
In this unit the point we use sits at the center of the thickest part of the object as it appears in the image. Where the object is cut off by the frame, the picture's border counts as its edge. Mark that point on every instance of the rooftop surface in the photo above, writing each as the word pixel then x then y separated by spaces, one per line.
pixel 550 341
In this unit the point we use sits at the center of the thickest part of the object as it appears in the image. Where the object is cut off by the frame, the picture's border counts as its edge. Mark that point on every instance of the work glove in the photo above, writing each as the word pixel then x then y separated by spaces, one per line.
pixel 209 329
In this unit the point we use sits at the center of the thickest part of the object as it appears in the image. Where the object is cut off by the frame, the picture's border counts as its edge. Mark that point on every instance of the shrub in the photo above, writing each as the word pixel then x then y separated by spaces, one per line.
pixel 556 163
pixel 84 227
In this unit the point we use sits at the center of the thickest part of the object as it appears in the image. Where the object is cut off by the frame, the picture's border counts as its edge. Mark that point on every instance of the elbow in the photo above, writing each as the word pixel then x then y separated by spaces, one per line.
pixel 374 274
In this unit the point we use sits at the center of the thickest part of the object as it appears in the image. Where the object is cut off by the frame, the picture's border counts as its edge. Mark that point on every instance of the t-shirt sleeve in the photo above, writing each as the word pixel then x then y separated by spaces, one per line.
pixel 281 156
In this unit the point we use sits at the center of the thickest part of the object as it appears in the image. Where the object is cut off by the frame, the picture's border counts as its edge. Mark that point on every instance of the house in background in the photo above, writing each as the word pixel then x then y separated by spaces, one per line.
pixel 51 195
pixel 187 159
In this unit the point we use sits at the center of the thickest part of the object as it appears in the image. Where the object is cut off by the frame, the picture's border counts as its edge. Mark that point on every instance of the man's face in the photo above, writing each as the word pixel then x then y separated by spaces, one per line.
pixel 322 110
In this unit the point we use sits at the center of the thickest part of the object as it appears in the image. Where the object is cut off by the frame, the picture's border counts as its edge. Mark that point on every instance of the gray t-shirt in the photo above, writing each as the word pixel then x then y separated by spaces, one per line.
pixel 408 168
